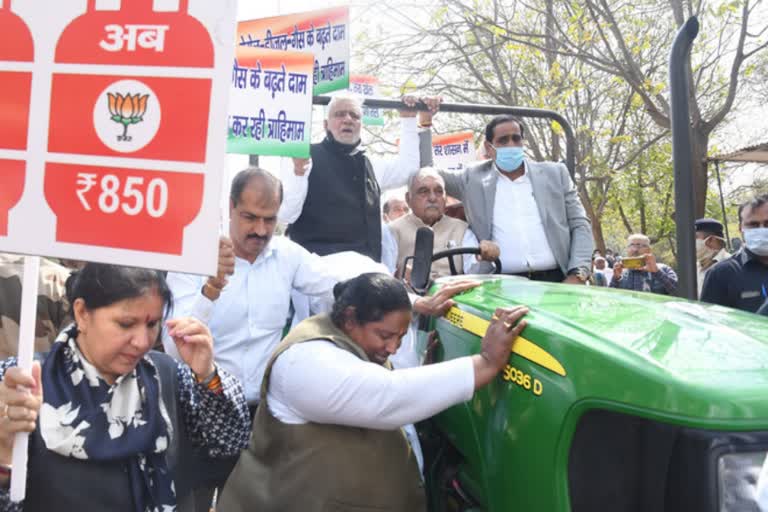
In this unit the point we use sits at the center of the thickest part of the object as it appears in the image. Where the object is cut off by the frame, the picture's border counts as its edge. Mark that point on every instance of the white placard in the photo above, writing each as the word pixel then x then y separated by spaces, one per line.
pixel 120 153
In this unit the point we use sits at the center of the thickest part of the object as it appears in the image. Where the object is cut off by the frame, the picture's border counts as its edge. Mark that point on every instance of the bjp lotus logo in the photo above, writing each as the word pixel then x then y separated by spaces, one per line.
pixel 127 110
pixel 136 110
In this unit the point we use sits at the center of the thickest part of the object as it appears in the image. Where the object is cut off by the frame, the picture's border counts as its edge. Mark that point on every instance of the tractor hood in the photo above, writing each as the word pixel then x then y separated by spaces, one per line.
pixel 660 352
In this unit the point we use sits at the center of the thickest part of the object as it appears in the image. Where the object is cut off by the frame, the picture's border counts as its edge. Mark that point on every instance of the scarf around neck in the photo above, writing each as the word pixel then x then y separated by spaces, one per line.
pixel 86 418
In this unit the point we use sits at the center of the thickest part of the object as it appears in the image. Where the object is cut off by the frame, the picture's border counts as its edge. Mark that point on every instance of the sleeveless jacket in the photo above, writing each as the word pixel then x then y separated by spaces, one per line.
pixel 449 233
pixel 341 211
pixel 56 482
pixel 315 467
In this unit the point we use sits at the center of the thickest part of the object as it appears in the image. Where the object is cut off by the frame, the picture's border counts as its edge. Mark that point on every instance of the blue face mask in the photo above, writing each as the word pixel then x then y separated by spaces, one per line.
pixel 756 240
pixel 509 158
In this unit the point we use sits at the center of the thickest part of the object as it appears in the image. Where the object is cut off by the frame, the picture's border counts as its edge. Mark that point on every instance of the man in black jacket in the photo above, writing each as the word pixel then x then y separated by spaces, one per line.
pixel 335 207
pixel 741 281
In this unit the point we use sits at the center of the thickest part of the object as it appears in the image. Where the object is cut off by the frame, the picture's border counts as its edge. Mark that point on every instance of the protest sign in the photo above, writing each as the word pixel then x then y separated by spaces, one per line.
pixel 16 56
pixel 114 151
pixel 270 103
pixel 108 128
pixel 453 150
pixel 367 87
pixel 324 33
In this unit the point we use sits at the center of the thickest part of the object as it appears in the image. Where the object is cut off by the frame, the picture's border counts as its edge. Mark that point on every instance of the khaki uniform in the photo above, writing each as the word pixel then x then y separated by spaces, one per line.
pixel 52 305
pixel 701 271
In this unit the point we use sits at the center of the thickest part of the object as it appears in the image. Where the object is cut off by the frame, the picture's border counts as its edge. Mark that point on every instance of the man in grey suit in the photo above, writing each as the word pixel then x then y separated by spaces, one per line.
pixel 530 209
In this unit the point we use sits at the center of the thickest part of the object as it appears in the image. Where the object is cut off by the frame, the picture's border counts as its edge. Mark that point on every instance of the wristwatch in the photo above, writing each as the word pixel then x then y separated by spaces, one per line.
pixel 581 273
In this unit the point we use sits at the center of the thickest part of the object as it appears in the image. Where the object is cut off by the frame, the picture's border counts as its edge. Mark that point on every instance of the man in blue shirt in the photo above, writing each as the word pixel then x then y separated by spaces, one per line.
pixel 651 277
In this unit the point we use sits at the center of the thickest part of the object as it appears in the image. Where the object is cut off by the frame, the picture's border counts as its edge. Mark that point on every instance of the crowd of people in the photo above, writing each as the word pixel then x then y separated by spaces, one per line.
pixel 170 392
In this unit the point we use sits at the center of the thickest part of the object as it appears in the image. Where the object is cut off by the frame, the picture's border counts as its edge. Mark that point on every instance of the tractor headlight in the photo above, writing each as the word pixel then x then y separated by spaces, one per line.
pixel 737 478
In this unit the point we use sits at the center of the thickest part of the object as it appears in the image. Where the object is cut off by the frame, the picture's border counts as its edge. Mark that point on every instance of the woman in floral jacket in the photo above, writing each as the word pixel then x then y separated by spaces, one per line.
pixel 113 423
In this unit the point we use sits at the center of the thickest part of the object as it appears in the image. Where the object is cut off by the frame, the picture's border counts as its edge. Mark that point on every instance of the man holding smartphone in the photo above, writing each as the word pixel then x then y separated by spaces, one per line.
pixel 640 271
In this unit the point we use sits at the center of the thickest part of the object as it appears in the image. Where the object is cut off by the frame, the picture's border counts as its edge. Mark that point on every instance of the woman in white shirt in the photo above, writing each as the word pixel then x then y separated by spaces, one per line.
pixel 328 432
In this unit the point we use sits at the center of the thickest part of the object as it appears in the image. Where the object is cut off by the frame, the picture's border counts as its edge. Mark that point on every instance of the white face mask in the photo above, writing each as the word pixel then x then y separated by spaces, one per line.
pixel 756 240
pixel 702 251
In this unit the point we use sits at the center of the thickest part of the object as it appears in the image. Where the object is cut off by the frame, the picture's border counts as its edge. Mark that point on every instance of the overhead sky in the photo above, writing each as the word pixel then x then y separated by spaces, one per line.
pixel 250 9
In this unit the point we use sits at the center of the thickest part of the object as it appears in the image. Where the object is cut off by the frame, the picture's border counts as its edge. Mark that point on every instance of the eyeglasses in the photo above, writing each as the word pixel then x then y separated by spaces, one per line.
pixel 506 139
pixel 637 245
pixel 341 114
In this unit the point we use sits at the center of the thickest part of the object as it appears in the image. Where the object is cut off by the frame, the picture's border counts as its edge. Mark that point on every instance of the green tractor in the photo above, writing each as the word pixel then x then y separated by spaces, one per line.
pixel 612 401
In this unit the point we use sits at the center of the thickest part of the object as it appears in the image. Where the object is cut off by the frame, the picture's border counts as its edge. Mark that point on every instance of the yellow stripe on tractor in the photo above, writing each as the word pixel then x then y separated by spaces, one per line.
pixel 521 346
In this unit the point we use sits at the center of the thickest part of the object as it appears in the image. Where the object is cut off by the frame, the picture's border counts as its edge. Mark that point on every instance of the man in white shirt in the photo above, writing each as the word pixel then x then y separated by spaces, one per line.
pixel 530 209
pixel 427 199
pixel 247 304
pixel 333 205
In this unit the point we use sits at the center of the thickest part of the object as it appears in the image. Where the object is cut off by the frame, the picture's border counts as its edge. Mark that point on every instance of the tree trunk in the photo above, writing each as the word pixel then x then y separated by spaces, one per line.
pixel 597 231
pixel 641 202
pixel 551 56
pixel 597 227
pixel 699 168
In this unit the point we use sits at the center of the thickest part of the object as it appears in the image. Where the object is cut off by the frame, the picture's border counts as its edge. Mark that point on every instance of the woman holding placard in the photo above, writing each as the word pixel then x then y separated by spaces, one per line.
pixel 113 423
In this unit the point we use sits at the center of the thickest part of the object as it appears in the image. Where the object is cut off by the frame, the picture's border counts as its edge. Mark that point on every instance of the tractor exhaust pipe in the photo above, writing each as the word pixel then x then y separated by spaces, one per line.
pixel 681 156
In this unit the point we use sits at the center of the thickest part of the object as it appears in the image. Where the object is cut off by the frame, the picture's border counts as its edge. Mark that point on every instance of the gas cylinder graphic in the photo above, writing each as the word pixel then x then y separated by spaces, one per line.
pixel 130 98
pixel 16 56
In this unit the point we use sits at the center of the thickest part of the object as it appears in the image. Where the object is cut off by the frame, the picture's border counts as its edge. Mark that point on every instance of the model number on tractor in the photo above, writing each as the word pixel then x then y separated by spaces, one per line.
pixel 522 379
pixel 132 197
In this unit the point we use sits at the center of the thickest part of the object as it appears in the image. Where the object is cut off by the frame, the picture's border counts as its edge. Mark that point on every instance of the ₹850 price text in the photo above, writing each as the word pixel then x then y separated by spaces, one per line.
pixel 132 194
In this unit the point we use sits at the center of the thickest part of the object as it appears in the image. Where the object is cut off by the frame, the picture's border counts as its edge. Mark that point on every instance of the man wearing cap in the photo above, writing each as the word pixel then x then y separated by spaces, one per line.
pixel 710 247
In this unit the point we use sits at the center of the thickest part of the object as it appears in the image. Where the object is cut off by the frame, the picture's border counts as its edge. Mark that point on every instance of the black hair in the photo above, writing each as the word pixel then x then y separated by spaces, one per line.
pixel 371 296
pixel 244 177
pixel 755 202
pixel 503 118
pixel 101 285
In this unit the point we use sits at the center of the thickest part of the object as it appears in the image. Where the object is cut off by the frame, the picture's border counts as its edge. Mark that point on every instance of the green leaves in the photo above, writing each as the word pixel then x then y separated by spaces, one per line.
pixel 127 120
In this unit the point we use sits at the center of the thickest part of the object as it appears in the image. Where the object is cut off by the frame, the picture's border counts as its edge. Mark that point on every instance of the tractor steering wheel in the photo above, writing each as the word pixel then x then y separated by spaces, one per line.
pixel 456 251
